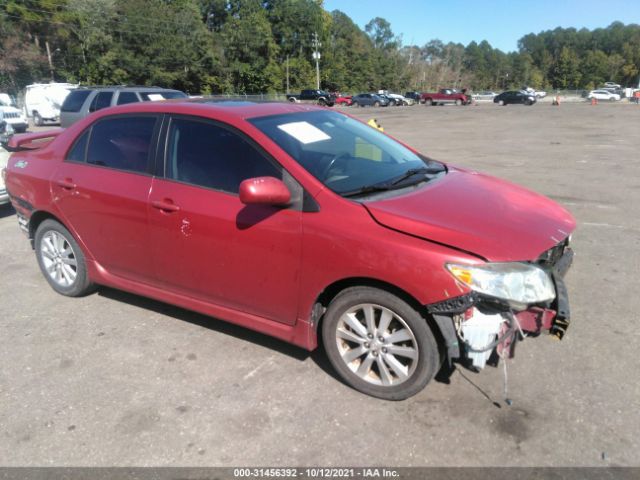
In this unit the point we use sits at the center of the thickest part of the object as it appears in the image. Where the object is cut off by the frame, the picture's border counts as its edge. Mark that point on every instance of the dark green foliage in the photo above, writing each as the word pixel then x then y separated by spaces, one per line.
pixel 248 46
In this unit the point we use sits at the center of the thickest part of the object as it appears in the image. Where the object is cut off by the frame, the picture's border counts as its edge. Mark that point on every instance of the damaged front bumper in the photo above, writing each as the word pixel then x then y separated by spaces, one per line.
pixel 475 326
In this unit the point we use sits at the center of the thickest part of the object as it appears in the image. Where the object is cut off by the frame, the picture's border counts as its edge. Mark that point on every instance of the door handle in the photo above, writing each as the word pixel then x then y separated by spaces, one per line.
pixel 166 205
pixel 67 184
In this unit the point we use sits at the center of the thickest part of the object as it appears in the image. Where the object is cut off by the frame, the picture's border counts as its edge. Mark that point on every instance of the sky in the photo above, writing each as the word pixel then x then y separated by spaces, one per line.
pixel 501 22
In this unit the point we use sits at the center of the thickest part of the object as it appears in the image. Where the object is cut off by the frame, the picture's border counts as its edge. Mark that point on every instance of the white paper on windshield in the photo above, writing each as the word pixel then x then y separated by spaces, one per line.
pixel 154 97
pixel 304 132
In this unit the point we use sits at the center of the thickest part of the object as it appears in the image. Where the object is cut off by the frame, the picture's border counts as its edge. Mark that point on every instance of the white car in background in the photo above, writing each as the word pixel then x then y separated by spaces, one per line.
pixel 4 158
pixel 484 95
pixel 10 114
pixel 396 99
pixel 42 101
pixel 603 95
pixel 536 93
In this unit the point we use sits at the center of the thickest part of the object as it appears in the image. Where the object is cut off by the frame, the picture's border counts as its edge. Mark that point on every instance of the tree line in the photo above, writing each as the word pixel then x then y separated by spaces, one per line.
pixel 263 46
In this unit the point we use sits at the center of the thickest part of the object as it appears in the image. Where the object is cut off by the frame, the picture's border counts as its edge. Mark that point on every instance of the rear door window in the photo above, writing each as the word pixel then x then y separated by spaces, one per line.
pixel 100 101
pixel 123 143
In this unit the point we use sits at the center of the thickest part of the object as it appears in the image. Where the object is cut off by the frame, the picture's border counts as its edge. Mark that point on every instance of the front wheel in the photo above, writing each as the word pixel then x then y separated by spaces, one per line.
pixel 61 260
pixel 37 119
pixel 379 344
pixel 501 103
pixel 428 102
pixel 354 104
pixel 376 104
pixel 458 102
pixel 612 99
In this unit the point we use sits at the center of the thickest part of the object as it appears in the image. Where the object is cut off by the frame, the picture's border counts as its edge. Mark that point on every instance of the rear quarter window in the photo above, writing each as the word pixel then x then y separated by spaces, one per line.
pixel 79 149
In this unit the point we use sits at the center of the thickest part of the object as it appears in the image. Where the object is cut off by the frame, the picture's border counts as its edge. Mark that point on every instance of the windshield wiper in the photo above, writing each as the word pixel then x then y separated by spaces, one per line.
pixel 367 189
pixel 394 184
pixel 414 171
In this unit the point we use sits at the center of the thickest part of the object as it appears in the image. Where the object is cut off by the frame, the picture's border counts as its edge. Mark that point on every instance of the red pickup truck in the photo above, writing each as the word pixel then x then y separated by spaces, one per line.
pixel 445 95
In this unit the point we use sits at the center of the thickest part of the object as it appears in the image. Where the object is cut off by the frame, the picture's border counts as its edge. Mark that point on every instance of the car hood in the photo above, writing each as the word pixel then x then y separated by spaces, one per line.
pixel 480 214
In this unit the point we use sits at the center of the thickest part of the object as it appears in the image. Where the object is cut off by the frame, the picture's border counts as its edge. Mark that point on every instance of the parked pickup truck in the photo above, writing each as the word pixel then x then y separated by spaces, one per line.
pixel 313 96
pixel 445 95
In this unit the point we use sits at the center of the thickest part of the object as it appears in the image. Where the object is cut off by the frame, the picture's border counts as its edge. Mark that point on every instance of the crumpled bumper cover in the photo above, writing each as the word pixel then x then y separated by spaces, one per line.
pixel 553 317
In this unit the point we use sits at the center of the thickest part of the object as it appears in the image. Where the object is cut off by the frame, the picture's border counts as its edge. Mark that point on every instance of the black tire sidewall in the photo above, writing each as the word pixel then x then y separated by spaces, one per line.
pixel 82 284
pixel 428 359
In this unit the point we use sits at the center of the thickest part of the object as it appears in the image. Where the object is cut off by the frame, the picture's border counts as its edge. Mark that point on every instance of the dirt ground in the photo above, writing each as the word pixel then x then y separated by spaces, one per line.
pixel 116 379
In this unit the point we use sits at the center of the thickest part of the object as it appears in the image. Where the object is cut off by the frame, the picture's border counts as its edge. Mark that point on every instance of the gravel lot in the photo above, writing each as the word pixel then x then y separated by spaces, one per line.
pixel 116 379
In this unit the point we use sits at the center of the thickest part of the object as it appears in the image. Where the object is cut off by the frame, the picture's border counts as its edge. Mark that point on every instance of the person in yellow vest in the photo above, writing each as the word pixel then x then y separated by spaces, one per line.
pixel 374 123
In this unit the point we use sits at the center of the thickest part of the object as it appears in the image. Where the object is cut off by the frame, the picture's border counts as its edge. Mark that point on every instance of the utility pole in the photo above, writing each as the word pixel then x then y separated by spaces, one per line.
pixel 49 57
pixel 316 56
pixel 287 74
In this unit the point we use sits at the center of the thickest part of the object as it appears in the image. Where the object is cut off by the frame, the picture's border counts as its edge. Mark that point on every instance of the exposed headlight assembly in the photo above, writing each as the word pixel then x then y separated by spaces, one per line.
pixel 518 283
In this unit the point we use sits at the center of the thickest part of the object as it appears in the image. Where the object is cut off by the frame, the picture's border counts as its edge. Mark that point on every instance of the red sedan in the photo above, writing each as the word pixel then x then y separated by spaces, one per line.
pixel 343 100
pixel 298 222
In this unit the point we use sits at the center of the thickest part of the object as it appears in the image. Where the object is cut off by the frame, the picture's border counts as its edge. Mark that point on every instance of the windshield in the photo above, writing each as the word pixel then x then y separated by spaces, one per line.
pixel 346 155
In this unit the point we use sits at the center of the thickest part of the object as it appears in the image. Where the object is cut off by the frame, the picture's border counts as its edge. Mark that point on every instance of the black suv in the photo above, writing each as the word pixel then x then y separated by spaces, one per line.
pixel 84 100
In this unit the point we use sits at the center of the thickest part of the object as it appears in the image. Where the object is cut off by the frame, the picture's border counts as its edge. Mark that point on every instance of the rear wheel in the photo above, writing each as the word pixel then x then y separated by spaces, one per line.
pixel 354 104
pixel 428 102
pixel 376 104
pixel 322 102
pixel 37 119
pixel 61 260
pixel 379 344
pixel 612 99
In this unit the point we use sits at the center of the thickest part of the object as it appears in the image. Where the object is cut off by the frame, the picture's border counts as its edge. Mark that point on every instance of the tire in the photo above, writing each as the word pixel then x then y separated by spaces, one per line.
pixel 20 129
pixel 612 99
pixel 292 99
pixel 377 372
pixel 376 104
pixel 67 274
pixel 37 119
pixel 322 102
pixel 428 102
pixel 502 103
pixel 458 102
pixel 354 104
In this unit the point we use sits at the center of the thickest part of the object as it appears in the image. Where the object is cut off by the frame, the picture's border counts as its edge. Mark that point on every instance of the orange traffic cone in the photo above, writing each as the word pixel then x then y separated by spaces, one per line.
pixel 594 101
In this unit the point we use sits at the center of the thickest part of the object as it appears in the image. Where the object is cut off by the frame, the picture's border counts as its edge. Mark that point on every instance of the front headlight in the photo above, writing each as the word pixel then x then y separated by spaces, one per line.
pixel 515 282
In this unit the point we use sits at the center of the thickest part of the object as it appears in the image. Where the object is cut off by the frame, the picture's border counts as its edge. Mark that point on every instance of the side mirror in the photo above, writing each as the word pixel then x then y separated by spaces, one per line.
pixel 264 191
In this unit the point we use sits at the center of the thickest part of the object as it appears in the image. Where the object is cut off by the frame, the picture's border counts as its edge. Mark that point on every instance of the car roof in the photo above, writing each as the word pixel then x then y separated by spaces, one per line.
pixel 132 88
pixel 208 107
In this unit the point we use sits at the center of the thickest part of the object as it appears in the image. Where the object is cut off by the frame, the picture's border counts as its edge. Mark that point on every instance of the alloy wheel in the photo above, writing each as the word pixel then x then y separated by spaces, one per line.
pixel 58 258
pixel 377 344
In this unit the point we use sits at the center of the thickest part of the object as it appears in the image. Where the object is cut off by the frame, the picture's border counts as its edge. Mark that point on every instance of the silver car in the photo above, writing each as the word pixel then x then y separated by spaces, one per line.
pixel 85 100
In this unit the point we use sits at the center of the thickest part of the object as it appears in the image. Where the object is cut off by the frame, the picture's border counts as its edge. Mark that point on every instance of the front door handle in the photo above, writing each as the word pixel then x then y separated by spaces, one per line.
pixel 67 184
pixel 166 205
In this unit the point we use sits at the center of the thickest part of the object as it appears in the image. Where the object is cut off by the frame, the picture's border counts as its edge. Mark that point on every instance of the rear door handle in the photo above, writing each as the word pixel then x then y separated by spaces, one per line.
pixel 67 184
pixel 166 205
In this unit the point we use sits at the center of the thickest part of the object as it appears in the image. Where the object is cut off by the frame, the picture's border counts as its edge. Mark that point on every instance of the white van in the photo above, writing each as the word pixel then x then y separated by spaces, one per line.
pixel 42 101
pixel 10 114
